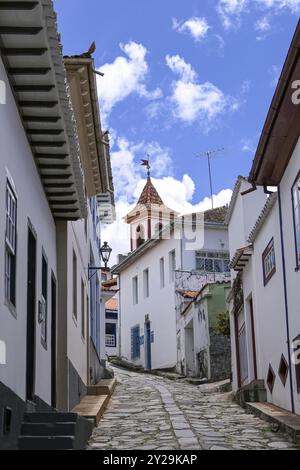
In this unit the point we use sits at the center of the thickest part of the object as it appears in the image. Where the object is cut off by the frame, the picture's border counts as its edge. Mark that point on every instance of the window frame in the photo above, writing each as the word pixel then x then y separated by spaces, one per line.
pixel 172 265
pixel 83 306
pixel 297 252
pixel 10 258
pixel 135 290
pixel 74 285
pixel 146 283
pixel 270 246
pixel 44 299
pixel 162 272
pixel 221 256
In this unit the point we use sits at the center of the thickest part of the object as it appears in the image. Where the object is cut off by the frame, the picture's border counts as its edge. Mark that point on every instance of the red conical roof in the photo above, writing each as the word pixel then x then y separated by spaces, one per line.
pixel 150 195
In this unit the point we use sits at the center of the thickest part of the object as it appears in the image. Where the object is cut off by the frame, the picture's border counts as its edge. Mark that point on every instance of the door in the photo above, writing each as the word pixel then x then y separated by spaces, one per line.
pixel 31 308
pixel 148 345
pixel 53 341
pixel 242 340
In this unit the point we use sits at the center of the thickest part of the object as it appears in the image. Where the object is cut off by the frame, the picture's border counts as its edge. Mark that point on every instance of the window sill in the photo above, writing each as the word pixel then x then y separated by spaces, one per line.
pixel 11 308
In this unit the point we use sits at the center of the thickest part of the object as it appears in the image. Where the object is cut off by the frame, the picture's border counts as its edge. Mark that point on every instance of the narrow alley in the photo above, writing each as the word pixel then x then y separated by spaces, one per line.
pixel 147 412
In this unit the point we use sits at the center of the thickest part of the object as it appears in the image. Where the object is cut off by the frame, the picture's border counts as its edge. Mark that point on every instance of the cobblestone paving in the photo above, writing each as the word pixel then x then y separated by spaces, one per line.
pixel 148 412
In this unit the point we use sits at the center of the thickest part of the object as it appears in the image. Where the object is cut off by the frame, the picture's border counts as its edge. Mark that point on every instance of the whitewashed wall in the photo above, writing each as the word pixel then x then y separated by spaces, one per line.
pixel 16 158
pixel 292 276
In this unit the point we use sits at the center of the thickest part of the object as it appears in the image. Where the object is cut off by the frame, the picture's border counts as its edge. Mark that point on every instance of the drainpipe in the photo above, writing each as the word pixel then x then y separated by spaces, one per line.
pixel 119 315
pixel 286 300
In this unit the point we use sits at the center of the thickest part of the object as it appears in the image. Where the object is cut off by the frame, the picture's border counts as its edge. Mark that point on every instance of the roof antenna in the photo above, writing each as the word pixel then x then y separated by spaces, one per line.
pixel 209 154
pixel 146 163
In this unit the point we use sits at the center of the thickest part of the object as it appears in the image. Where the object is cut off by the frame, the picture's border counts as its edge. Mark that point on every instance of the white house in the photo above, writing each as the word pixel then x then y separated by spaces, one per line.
pixel 265 297
pixel 51 186
pixel 204 351
pixel 163 244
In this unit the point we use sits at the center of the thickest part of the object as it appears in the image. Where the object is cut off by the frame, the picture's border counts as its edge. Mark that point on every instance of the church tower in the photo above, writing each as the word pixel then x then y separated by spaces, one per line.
pixel 149 216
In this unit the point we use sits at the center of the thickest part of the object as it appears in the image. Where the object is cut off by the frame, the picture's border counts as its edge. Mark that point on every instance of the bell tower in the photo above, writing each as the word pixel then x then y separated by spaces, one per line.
pixel 149 216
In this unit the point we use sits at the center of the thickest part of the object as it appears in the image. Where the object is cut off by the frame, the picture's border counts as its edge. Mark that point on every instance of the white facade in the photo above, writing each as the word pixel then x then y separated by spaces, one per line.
pixel 148 309
pixel 263 313
pixel 18 169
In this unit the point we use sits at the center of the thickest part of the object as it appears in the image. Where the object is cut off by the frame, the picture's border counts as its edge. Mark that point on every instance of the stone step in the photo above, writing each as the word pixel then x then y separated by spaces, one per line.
pixel 48 429
pixel 46 442
pixel 92 407
pixel 103 387
pixel 287 422
pixel 50 417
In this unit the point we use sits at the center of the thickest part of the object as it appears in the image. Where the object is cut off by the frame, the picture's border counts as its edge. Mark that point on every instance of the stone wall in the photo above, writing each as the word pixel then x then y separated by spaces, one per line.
pixel 220 356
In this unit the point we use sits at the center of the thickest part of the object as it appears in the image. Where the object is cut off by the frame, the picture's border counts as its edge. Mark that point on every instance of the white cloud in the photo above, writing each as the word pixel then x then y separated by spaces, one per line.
pixel 129 179
pixel 195 26
pixel 124 76
pixel 176 194
pixel 193 100
pixel 230 12
pixel 263 27
pixel 292 5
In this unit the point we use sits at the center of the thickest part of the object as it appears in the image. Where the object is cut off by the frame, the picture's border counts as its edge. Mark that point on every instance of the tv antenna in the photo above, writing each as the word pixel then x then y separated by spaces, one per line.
pixel 209 154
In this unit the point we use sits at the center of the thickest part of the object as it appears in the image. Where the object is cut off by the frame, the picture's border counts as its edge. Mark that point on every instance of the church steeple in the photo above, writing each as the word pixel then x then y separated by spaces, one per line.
pixel 149 216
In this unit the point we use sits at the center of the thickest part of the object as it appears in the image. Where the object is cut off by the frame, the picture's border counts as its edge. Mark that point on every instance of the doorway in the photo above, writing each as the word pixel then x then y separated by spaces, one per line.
pixel 53 341
pixel 31 311
pixel 189 349
pixel 148 345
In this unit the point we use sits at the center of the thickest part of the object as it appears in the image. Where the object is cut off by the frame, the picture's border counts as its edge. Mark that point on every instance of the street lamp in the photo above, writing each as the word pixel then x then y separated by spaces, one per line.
pixel 105 252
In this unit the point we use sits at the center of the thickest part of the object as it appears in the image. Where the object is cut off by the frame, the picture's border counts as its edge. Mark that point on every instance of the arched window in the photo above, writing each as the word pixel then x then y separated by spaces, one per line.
pixel 158 227
pixel 140 235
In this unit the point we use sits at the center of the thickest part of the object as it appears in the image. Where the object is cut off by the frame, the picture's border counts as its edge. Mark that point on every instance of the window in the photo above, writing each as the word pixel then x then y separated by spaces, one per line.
pixel 269 265
pixel 172 265
pixel 74 285
pixel 82 309
pixel 135 295
pixel 296 209
pixel 146 283
pixel 271 378
pixel 135 343
pixel 43 306
pixel 212 262
pixel 140 235
pixel 283 370
pixel 296 360
pixel 110 335
pixel 162 272
pixel 10 245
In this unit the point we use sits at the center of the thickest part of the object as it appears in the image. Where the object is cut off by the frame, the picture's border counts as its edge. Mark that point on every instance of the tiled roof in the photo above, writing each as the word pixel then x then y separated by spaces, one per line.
pixel 150 195
pixel 111 304
pixel 216 215
pixel 262 217
pixel 189 294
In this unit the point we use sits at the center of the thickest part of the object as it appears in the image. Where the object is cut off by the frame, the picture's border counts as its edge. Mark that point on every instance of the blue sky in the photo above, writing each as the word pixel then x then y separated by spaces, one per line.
pixel 182 77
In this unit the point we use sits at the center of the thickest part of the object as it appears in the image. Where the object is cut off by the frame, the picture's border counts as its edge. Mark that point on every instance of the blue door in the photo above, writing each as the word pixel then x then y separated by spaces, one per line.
pixel 135 342
pixel 148 345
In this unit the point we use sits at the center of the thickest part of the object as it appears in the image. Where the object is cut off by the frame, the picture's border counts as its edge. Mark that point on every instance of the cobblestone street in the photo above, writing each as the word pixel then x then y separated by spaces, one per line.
pixel 151 413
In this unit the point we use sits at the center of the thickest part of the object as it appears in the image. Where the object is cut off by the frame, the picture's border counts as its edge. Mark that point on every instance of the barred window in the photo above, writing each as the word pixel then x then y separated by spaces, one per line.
pixel 212 262
pixel 269 262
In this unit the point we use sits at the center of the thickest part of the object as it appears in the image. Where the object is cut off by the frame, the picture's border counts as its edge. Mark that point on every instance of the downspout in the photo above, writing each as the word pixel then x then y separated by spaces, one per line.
pixel 286 300
pixel 119 315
